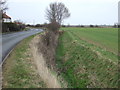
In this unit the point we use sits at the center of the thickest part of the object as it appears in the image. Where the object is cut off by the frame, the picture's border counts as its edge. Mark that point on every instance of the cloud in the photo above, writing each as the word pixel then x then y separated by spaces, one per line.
pixel 103 11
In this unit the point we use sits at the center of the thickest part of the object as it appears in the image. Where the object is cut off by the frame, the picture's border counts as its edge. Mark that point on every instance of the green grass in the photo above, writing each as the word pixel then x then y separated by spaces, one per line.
pixel 103 37
pixel 85 59
pixel 19 70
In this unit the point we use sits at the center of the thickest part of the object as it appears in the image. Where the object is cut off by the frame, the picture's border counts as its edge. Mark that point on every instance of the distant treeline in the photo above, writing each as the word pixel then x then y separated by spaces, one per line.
pixel 37 25
pixel 112 26
pixel 44 25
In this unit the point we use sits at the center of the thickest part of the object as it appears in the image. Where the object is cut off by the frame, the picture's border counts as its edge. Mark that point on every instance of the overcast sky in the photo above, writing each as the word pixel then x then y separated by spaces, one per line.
pixel 82 11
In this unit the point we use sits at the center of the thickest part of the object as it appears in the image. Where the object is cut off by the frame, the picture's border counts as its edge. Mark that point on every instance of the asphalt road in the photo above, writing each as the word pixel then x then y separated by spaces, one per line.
pixel 8 41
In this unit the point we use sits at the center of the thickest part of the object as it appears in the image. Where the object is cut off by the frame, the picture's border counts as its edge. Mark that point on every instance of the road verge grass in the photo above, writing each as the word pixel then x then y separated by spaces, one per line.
pixel 19 70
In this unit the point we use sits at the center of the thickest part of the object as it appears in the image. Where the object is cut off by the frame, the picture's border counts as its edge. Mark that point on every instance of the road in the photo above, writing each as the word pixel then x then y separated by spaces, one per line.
pixel 8 41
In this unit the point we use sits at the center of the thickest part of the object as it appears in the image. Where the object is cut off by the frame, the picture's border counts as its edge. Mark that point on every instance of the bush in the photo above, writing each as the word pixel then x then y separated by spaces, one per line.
pixel 82 26
pixel 21 26
pixel 91 25
pixel 39 25
pixel 63 26
pixel 54 26
pixel 96 26
pixel 12 27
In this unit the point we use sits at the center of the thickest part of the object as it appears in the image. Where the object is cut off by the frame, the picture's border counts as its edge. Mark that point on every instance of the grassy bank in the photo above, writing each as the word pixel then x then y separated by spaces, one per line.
pixel 19 71
pixel 87 57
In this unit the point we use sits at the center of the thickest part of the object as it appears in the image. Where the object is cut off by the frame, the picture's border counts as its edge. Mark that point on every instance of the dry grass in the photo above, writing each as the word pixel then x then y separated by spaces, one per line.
pixel 44 72
pixel 19 70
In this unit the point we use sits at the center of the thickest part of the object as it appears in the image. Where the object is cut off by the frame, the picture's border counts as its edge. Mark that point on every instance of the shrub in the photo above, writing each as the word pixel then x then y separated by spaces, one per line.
pixel 39 25
pixel 53 26
pixel 91 25
pixel 12 27
pixel 82 26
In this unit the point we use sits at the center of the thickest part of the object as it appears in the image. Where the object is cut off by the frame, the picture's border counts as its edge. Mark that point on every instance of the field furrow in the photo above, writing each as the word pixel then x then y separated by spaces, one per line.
pixel 84 64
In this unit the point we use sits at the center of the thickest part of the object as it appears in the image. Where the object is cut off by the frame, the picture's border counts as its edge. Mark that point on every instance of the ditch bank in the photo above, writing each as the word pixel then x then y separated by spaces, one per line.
pixel 32 64
pixel 43 49
pixel 44 72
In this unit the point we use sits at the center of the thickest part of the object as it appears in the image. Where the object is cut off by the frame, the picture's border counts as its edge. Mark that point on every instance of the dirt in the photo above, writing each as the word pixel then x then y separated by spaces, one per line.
pixel 45 73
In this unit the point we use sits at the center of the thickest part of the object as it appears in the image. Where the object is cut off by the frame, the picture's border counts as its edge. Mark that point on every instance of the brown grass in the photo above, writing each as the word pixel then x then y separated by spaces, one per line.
pixel 44 72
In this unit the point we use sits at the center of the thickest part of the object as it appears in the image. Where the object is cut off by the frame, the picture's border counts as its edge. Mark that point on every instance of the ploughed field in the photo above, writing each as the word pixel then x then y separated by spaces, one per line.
pixel 87 57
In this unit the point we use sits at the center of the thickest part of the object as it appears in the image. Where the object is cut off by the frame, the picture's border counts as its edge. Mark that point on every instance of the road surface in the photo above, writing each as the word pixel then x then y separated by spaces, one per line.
pixel 8 41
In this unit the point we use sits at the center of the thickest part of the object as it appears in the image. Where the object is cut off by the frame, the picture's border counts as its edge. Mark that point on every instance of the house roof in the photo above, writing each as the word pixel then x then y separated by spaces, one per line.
pixel 4 15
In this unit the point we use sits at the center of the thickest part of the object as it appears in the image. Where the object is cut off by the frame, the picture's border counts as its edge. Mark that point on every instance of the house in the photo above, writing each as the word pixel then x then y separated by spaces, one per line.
pixel 6 18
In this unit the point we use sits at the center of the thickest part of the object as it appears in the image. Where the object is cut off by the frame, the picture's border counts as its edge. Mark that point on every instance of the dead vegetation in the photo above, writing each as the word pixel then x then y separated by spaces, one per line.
pixel 47 46
pixel 19 69
pixel 55 14
pixel 45 73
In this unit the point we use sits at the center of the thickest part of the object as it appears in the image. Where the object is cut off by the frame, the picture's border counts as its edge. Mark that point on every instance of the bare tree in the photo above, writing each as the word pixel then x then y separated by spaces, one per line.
pixel 3 6
pixel 57 12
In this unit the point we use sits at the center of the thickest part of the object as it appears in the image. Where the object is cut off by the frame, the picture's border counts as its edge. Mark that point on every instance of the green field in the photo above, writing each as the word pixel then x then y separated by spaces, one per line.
pixel 103 37
pixel 87 57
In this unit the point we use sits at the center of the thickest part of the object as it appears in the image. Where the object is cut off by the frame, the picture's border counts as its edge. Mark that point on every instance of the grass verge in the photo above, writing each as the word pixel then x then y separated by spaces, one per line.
pixel 19 70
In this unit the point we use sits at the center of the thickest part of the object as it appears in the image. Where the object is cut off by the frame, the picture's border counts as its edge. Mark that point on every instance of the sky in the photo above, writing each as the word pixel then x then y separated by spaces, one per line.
pixel 83 12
